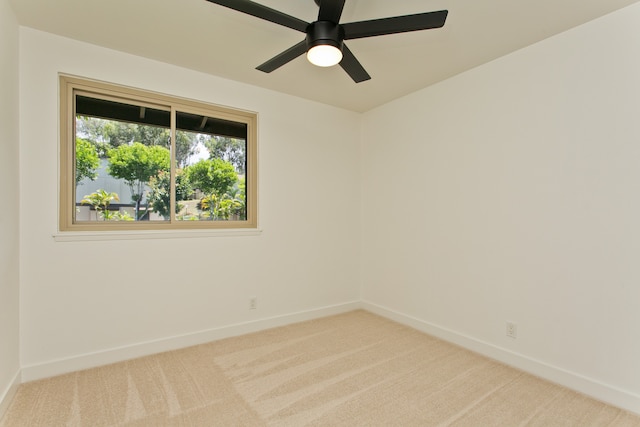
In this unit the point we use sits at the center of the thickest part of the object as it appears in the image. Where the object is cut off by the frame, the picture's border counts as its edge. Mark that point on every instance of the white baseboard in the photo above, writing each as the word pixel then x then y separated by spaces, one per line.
pixel 91 360
pixel 588 386
pixel 8 393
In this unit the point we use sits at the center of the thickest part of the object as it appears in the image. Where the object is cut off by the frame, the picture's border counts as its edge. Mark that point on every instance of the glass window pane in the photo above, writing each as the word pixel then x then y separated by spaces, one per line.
pixel 211 173
pixel 122 161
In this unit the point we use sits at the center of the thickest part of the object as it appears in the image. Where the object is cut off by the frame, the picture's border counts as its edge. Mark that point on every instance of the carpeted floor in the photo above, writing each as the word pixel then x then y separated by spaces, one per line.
pixel 354 369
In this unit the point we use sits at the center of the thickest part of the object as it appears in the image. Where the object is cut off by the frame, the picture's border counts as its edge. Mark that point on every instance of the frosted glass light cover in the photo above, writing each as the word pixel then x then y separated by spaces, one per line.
pixel 324 55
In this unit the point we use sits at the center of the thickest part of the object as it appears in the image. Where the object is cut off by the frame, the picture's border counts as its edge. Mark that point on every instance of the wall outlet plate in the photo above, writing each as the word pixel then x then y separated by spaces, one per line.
pixel 512 330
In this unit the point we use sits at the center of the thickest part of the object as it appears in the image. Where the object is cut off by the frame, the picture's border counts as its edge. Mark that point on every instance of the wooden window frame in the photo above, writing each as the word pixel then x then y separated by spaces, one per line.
pixel 71 85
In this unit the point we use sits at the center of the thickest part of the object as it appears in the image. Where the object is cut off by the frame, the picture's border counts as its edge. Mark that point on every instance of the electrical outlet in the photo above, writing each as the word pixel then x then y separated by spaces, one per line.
pixel 512 330
pixel 253 303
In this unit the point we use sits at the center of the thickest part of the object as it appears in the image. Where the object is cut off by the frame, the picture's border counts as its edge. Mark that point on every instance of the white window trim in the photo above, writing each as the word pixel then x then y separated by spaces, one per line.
pixel 87 236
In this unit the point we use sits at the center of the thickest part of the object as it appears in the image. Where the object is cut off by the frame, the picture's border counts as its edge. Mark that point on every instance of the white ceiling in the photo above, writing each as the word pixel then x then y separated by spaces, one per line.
pixel 203 36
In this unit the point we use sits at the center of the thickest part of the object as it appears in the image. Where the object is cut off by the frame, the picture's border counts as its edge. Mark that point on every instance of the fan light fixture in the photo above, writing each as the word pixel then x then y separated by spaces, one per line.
pixel 324 55
pixel 324 43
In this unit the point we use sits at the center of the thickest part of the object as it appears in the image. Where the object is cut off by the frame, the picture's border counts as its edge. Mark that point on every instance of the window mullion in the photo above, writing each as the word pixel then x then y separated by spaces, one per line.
pixel 172 186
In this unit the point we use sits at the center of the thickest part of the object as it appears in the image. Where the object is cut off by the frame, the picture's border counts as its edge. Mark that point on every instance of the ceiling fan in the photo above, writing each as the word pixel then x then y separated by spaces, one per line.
pixel 324 41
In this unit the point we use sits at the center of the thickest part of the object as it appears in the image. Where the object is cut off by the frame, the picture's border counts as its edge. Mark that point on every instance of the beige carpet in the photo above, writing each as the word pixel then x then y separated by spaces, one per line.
pixel 354 369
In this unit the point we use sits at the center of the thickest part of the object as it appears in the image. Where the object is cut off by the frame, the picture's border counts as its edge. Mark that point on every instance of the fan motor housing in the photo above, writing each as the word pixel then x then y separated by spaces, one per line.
pixel 323 33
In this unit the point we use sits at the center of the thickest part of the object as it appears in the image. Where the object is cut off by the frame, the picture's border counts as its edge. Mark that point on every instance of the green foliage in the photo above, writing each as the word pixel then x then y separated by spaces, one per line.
pixel 232 150
pixel 213 176
pixel 230 206
pixel 159 196
pixel 100 200
pixel 91 128
pixel 186 145
pixel 239 193
pixel 209 203
pixel 117 133
pixel 108 134
pixel 221 207
pixel 136 164
pixel 120 216
pixel 87 160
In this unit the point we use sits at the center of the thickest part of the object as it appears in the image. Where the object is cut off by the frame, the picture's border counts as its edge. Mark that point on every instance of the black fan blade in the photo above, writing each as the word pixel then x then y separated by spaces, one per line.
pixel 286 56
pixel 263 12
pixel 330 10
pixel 351 65
pixel 398 24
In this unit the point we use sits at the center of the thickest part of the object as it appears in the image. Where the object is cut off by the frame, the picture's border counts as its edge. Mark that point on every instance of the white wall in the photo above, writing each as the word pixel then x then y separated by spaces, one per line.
pixel 512 192
pixel 73 314
pixel 9 213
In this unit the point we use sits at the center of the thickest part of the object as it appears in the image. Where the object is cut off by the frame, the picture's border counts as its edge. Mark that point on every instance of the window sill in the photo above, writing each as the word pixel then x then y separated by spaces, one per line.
pixel 83 236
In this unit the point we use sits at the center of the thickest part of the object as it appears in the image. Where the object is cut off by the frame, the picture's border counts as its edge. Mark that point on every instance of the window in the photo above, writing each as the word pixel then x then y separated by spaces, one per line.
pixel 136 160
